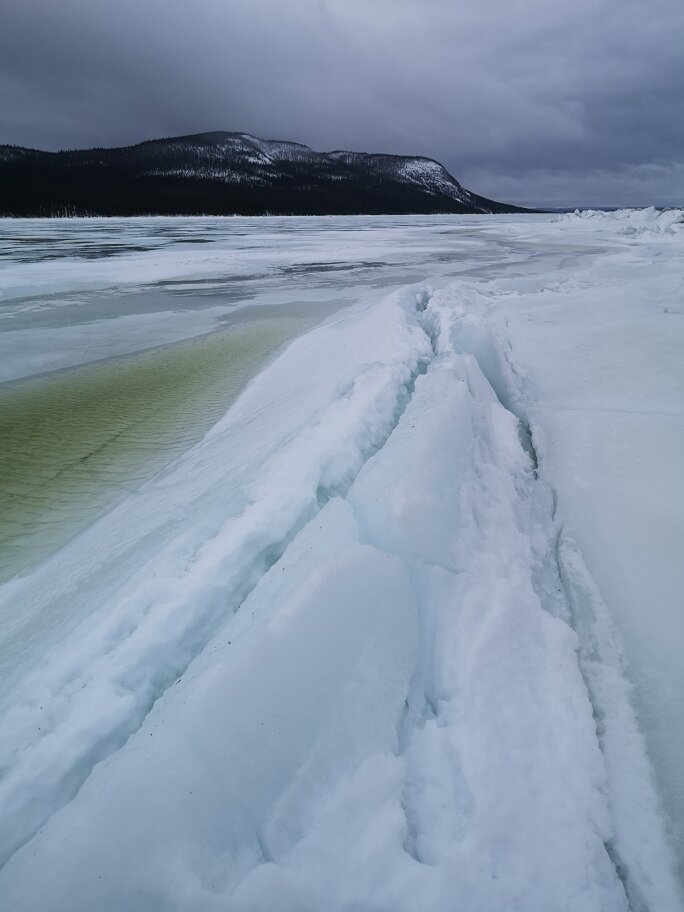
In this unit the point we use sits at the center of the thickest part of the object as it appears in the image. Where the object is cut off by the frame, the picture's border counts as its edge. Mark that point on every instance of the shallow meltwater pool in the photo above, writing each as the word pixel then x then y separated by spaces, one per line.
pixel 75 442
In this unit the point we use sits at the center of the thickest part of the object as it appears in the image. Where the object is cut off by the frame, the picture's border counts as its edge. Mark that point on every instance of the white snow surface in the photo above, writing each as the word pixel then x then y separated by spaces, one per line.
pixel 402 631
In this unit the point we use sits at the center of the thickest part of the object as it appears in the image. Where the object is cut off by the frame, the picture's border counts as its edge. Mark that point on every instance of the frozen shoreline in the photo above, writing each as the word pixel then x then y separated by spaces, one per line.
pixel 438 652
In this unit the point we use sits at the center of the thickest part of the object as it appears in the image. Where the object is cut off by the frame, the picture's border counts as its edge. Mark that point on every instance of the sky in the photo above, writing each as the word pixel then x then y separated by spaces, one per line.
pixel 537 102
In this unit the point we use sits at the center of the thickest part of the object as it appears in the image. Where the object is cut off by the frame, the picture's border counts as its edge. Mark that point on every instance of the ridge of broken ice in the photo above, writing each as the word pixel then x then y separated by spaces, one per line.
pixel 648 221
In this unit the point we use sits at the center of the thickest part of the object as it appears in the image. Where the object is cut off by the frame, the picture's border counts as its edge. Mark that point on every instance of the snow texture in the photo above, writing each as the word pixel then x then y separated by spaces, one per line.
pixel 360 648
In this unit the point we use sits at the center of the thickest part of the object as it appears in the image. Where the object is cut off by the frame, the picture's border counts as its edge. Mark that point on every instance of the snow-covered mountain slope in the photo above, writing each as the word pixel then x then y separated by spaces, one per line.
pixel 226 173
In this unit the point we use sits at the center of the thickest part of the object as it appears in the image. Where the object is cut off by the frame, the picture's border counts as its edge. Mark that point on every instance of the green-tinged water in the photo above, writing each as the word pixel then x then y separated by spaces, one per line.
pixel 72 444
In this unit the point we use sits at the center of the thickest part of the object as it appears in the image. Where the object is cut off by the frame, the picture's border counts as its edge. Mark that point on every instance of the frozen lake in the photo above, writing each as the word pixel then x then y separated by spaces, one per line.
pixel 341 563
pixel 163 345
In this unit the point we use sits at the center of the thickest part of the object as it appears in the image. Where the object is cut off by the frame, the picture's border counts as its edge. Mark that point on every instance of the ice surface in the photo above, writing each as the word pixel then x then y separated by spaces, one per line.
pixel 176 581
pixel 598 358
pixel 360 648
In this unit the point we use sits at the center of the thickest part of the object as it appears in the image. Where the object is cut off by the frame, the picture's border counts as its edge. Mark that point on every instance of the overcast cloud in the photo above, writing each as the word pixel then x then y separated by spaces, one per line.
pixel 532 101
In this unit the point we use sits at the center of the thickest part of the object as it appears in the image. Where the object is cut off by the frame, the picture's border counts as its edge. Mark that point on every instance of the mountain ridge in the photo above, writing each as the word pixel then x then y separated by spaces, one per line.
pixel 227 173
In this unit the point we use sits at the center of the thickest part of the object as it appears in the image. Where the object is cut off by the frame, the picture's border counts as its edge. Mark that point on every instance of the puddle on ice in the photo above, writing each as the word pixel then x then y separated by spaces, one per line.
pixel 75 442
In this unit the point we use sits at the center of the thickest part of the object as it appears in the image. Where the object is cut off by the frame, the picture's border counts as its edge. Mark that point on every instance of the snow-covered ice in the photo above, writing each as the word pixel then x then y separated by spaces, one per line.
pixel 402 631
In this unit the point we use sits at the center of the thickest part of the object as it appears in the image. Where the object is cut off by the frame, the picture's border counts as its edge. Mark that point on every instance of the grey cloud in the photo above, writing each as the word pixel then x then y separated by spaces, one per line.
pixel 525 100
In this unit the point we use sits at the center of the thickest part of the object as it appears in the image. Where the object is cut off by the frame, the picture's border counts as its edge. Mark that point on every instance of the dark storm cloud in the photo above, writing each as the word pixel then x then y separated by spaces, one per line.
pixel 529 100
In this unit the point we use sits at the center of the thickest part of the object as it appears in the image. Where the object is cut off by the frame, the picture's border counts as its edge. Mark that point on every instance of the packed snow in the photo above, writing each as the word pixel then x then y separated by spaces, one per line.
pixel 402 630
